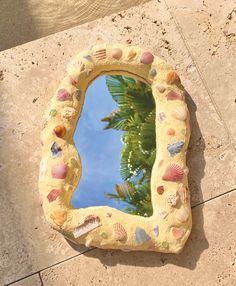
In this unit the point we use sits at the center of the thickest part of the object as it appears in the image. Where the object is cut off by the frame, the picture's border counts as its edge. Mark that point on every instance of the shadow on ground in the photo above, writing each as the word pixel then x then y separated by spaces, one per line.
pixel 197 241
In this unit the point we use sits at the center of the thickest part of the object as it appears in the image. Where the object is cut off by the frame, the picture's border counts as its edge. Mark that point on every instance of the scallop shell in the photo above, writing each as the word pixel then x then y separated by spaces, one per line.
pixel 141 236
pixel 182 216
pixel 52 196
pixel 173 173
pixel 172 95
pixel 160 88
pixel 90 222
pixel 180 113
pixel 175 148
pixel 178 233
pixel 100 54
pixel 120 232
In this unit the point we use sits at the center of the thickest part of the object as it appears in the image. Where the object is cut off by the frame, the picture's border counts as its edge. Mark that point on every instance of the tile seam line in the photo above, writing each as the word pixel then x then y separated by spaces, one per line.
pixel 45 268
pixel 74 256
pixel 231 142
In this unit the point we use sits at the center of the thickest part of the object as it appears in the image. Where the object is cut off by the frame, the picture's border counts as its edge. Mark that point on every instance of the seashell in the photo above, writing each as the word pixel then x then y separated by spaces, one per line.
pixel 160 162
pixel 152 72
pixel 88 242
pixel 156 230
pixel 116 54
pixel 175 148
pixel 56 150
pixel 88 58
pixel 180 113
pixel 178 232
pixel 63 95
pixel 147 58
pixel 131 55
pixel 162 213
pixel 172 78
pixel 68 113
pixel 141 236
pixel 53 112
pixel 81 66
pixel 172 95
pixel 160 88
pixel 172 199
pixel 60 131
pixel 90 222
pixel 73 79
pixel 69 188
pixel 88 72
pixel 120 232
pixel 59 217
pixel 171 132
pixel 160 190
pixel 165 244
pixel 59 171
pixel 52 196
pixel 43 169
pixel 77 94
pixel 173 173
pixel 184 194
pixel 100 54
pixel 74 162
pixel 182 216
pixel 104 235
pixel 108 214
pixel 161 117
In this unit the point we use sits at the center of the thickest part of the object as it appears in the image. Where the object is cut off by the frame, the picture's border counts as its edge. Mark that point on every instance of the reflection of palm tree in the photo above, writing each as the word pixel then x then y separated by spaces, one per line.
pixel 136 116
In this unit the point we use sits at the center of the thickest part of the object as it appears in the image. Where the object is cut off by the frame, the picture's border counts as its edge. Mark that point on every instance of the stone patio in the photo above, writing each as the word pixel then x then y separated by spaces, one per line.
pixel 199 39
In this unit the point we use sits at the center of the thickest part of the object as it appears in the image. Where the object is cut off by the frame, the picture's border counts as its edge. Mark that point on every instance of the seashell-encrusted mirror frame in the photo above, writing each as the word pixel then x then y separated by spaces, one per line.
pixel 60 169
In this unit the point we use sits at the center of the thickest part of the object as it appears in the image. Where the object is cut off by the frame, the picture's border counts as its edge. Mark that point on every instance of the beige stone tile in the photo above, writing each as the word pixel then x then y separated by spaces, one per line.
pixel 209 28
pixel 31 73
pixel 26 20
pixel 209 257
pixel 33 280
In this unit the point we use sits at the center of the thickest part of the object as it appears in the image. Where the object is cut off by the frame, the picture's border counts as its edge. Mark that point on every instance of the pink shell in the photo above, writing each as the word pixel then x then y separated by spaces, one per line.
pixel 173 173
pixel 180 113
pixel 120 232
pixel 59 171
pixel 147 58
pixel 63 95
pixel 178 232
pixel 117 54
pixel 52 196
pixel 172 95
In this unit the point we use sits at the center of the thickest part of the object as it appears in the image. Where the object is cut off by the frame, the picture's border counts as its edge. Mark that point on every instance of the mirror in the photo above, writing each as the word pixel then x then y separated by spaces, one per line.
pixel 117 126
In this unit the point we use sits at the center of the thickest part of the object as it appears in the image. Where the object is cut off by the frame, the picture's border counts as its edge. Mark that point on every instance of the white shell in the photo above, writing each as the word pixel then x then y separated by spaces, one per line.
pixel 180 113
pixel 90 223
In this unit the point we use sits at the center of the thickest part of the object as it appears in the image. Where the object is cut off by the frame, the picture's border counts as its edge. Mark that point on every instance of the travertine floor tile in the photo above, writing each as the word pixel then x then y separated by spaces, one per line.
pixel 30 74
pixel 209 28
pixel 208 259
pixel 33 280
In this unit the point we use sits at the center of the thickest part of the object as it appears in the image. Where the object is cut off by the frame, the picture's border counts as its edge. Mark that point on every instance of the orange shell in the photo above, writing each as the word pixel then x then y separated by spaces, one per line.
pixel 60 131
pixel 172 78
pixel 59 217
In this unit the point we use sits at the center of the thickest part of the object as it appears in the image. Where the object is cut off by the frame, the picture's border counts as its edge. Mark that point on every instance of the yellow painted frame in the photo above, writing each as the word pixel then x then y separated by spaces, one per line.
pixel 170 225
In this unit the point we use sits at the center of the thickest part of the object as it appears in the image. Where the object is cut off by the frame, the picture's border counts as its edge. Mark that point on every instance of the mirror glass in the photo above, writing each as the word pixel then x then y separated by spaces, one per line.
pixel 115 137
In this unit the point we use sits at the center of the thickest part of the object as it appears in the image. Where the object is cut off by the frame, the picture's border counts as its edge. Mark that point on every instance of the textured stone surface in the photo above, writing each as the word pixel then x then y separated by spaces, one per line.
pixel 29 75
pixel 209 28
pixel 33 280
pixel 26 20
pixel 208 259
